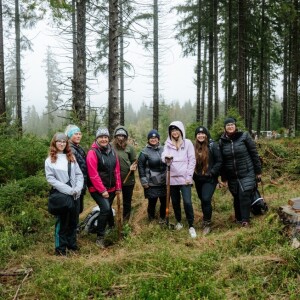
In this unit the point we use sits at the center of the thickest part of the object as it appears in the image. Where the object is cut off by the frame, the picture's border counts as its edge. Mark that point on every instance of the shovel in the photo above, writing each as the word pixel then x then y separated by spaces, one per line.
pixel 168 162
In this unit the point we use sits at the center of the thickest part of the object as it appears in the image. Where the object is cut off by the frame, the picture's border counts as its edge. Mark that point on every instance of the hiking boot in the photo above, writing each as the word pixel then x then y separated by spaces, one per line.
pixel 206 230
pixel 100 242
pixel 192 232
pixel 178 226
pixel 245 224
pixel 161 221
pixel 60 253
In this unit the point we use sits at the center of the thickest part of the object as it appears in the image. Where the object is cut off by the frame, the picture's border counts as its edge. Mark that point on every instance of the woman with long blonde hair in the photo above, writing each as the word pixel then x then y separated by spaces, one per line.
pixel 208 164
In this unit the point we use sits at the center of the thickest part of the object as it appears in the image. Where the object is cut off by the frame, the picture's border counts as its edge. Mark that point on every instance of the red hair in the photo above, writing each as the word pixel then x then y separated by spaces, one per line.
pixel 53 151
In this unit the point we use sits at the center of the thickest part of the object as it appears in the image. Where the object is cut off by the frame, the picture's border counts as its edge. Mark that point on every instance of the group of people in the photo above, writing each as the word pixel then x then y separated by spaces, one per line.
pixel 108 170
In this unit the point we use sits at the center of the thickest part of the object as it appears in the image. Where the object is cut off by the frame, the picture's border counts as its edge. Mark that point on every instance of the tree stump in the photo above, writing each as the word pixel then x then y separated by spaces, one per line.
pixel 290 216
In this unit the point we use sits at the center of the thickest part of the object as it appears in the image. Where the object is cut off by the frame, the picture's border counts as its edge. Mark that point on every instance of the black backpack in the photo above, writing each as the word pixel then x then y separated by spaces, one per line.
pixel 89 224
pixel 258 204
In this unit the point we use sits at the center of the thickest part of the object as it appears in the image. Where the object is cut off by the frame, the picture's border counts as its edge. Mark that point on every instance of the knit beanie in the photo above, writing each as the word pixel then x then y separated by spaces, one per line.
pixel 203 130
pixel 60 136
pixel 229 120
pixel 121 131
pixel 71 129
pixel 102 132
pixel 153 133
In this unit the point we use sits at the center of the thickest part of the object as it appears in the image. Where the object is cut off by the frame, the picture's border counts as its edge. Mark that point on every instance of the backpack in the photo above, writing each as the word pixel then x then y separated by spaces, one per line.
pixel 89 224
pixel 258 204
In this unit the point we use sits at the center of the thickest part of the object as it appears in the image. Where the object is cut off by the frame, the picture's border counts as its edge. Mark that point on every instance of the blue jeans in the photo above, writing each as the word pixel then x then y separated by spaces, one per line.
pixel 186 192
pixel 205 190
pixel 106 215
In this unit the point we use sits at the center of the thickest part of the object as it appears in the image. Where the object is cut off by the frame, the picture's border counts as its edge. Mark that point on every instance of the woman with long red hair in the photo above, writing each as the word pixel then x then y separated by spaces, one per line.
pixel 70 183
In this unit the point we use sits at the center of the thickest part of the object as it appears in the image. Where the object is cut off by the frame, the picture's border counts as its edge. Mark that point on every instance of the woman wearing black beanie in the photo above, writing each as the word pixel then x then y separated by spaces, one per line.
pixel 208 163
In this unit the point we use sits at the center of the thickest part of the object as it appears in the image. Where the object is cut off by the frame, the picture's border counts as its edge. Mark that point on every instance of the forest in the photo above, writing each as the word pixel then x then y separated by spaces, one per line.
pixel 243 50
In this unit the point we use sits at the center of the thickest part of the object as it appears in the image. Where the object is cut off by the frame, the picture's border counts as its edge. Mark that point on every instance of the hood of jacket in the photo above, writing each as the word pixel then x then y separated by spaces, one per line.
pixel 179 125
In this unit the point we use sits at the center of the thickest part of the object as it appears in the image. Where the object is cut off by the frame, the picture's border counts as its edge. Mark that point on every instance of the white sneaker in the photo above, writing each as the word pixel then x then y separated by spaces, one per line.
pixel 178 226
pixel 192 232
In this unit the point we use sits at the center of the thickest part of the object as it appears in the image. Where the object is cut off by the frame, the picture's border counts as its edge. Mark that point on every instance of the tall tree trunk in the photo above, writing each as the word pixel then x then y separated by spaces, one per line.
pixel 2 77
pixel 285 103
pixel 18 67
pixel 198 104
pixel 216 60
pixel 250 98
pixel 113 64
pixel 294 73
pixel 79 101
pixel 74 41
pixel 210 65
pixel 204 80
pixel 229 101
pixel 261 68
pixel 241 89
pixel 155 66
pixel 122 86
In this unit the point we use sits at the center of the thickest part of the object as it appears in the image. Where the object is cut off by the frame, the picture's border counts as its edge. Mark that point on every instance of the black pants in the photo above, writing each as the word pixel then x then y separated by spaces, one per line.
pixel 65 231
pixel 205 190
pixel 187 202
pixel 152 204
pixel 127 191
pixel 106 215
pixel 242 204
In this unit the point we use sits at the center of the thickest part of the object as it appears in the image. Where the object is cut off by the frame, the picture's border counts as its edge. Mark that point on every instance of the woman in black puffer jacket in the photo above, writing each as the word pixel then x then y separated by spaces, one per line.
pixel 152 173
pixel 241 168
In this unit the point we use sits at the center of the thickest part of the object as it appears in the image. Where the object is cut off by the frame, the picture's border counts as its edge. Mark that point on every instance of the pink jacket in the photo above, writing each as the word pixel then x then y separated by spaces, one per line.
pixel 92 168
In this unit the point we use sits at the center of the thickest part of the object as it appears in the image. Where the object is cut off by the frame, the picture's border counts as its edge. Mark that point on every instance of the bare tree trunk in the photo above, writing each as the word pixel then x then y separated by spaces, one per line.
pixel 294 73
pixel 18 67
pixel 216 60
pixel 113 64
pixel 155 66
pixel 122 86
pixel 285 103
pixel 2 76
pixel 198 63
pixel 204 77
pixel 80 98
pixel 74 34
pixel 210 66
pixel 241 91
pixel 261 69
pixel 229 101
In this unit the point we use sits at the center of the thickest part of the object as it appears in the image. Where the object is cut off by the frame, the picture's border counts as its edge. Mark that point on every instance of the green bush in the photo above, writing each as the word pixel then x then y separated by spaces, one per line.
pixel 22 157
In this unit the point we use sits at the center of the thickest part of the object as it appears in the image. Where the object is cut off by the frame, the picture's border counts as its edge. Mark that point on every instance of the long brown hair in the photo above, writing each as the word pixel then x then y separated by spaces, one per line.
pixel 202 156
pixel 53 151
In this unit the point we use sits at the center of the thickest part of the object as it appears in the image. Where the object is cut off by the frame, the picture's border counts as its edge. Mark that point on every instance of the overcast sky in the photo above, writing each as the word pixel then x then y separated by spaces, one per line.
pixel 176 72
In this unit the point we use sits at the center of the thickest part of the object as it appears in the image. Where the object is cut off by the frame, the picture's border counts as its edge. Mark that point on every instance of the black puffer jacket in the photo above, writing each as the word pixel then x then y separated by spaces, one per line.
pixel 241 162
pixel 152 171
pixel 214 164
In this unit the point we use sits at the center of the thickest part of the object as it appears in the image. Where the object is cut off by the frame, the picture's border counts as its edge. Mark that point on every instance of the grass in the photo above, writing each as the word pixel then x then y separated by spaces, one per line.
pixel 153 262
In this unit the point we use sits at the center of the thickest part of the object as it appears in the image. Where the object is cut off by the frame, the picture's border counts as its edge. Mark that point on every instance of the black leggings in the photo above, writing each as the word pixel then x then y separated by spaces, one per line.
pixel 106 215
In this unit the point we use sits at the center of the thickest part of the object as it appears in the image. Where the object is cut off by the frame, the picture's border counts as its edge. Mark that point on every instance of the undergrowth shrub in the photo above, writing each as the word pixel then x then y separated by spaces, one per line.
pixel 21 157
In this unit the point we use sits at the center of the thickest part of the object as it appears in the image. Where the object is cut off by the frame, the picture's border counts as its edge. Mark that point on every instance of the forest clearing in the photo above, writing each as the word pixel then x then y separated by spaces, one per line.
pixel 152 261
